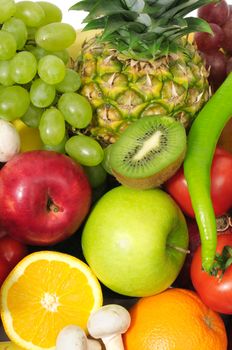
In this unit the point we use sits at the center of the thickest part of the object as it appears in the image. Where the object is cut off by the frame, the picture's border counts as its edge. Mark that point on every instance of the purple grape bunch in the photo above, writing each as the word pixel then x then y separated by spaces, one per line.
pixel 216 48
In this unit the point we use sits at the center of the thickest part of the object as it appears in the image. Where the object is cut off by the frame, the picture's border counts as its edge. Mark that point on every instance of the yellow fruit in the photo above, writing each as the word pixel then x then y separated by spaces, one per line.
pixel 75 49
pixel 45 292
pixel 29 137
pixel 8 345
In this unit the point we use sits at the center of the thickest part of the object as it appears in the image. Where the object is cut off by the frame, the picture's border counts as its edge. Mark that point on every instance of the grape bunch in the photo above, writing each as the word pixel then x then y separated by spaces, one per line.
pixel 216 48
pixel 36 83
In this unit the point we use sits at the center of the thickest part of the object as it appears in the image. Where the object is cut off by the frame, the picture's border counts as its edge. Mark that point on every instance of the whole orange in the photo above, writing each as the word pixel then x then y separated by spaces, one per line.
pixel 175 319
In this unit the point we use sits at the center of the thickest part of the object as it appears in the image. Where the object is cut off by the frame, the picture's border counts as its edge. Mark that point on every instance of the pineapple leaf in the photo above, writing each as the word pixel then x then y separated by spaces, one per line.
pixel 155 11
pixel 95 24
pixel 185 7
pixel 143 28
pixel 198 25
pixel 117 23
pixel 145 19
pixel 166 2
pixel 108 8
pixel 135 5
pixel 85 5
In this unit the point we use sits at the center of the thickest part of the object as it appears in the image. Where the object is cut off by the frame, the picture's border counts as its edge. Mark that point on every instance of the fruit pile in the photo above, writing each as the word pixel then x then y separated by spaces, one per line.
pixel 123 190
pixel 216 48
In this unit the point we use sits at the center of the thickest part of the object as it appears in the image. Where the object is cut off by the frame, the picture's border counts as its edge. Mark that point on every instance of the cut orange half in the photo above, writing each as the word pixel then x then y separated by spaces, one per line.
pixel 45 292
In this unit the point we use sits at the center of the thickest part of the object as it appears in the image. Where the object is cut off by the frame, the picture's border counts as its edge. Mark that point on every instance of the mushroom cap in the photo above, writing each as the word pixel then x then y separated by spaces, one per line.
pixel 108 320
pixel 71 337
pixel 10 141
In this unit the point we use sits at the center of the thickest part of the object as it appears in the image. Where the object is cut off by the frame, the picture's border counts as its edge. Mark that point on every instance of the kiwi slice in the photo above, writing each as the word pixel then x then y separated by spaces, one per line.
pixel 148 152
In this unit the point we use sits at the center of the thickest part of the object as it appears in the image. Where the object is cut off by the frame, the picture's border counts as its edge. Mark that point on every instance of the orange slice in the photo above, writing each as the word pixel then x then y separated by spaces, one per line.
pixel 45 292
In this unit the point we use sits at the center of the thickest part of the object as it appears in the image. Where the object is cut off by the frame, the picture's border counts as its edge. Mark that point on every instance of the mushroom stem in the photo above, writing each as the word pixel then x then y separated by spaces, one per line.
pixel 113 343
pixel 108 323
pixel 93 344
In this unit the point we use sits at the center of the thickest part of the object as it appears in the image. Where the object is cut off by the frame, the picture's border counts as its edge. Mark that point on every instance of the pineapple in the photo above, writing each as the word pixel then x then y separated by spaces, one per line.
pixel 141 64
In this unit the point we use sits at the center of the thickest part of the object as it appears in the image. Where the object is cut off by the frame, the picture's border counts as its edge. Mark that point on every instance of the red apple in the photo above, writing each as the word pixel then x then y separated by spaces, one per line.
pixel 44 197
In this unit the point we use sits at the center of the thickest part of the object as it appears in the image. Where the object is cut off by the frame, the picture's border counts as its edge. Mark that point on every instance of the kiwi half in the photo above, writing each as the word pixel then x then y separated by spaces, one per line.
pixel 148 152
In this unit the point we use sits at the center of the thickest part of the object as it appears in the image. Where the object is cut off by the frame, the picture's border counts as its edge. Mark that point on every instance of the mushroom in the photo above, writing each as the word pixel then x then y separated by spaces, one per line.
pixel 108 323
pixel 9 141
pixel 74 338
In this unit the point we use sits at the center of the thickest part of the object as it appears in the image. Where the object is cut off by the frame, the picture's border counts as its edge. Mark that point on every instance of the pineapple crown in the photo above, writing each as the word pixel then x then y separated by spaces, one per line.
pixel 143 29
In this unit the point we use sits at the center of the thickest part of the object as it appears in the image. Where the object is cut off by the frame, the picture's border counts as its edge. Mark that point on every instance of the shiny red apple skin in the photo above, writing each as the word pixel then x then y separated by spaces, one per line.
pixel 44 197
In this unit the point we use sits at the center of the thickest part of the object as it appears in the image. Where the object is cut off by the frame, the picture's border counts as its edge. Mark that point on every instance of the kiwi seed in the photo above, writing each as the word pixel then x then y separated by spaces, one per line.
pixel 148 152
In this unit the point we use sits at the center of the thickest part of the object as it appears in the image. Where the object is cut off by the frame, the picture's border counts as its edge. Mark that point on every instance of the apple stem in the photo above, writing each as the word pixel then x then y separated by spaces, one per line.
pixel 51 206
pixel 179 249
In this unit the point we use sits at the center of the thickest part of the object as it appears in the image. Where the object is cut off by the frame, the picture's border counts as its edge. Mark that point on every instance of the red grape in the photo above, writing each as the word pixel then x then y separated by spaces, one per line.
pixel 227 30
pixel 216 62
pixel 229 65
pixel 217 12
pixel 210 42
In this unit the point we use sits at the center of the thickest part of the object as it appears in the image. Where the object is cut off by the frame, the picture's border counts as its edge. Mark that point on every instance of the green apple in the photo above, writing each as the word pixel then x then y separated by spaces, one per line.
pixel 135 241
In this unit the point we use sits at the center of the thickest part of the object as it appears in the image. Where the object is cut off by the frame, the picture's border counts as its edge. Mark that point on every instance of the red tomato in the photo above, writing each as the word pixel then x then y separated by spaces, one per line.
pixel 221 189
pixel 12 251
pixel 215 291
pixel 4 270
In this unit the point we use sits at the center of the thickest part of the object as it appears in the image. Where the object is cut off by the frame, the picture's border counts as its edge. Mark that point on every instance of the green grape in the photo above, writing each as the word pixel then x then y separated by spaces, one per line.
pixel 84 150
pixel 32 116
pixel 70 83
pixel 30 13
pixel 52 12
pixel 60 148
pixel 51 69
pixel 52 127
pixel 8 8
pixel 18 29
pixel 96 174
pixel 42 95
pixel 63 55
pixel 5 78
pixel 14 102
pixel 76 109
pixel 31 33
pixel 37 51
pixel 23 67
pixel 106 160
pixel 55 36
pixel 8 45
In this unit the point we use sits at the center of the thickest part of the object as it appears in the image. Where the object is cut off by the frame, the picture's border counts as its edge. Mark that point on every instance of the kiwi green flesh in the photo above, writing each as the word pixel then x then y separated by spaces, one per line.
pixel 152 181
pixel 148 152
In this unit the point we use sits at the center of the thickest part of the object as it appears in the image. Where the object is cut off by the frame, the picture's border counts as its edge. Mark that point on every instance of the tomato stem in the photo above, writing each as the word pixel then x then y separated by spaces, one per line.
pixel 222 262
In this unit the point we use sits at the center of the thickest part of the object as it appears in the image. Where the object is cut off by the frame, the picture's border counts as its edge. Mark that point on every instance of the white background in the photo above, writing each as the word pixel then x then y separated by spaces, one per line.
pixel 75 17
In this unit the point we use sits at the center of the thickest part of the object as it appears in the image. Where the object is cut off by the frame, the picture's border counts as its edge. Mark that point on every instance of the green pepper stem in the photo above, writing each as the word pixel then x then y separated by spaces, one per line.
pixel 202 140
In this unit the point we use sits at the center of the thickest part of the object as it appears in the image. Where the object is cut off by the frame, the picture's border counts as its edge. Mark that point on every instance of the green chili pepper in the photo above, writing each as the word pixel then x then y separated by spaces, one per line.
pixel 202 140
